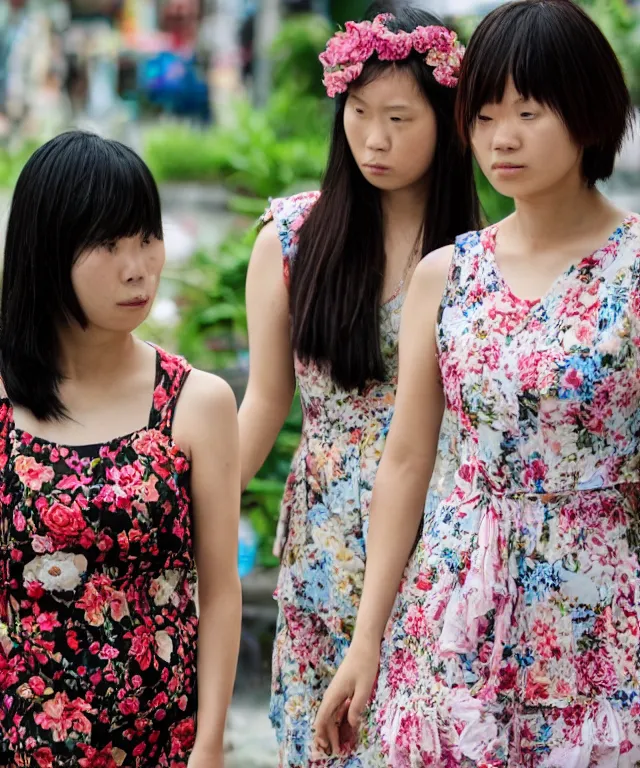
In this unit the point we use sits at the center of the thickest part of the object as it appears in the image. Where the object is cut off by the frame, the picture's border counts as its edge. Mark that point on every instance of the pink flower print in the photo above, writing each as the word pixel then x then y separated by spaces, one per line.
pixel 160 397
pixel 536 471
pixel 93 602
pixel 9 670
pixel 415 622
pixel 19 521
pixel 403 669
pixel 596 673
pixel 572 379
pixel 33 474
pixel 64 522
pixel 60 715
pixel 142 645
pixel 43 757
pixel 94 758
pixel 48 621
pixel 37 685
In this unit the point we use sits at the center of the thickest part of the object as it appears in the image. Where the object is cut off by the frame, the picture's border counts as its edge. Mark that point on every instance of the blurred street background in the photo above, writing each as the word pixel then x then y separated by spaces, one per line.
pixel 224 100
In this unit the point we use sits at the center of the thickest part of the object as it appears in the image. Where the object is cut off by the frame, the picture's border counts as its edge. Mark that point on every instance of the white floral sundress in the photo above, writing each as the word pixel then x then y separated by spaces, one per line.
pixel 321 537
pixel 516 643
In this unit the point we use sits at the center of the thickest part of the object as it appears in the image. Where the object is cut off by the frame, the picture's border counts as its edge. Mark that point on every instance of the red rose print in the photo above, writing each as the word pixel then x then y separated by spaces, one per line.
pixel 64 522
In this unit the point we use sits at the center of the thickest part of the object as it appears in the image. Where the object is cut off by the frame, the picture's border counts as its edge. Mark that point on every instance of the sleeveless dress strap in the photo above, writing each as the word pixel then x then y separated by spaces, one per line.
pixel 171 375
pixel 467 260
pixel 6 424
pixel 289 214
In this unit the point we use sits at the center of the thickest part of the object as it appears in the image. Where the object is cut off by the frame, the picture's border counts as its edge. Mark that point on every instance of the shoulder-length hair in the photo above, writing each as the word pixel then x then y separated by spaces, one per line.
pixel 76 192
pixel 557 55
pixel 337 275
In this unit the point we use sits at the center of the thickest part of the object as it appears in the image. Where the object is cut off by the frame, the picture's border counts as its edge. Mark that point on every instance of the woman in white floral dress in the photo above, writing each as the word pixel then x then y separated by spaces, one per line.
pixel 517 640
pixel 397 185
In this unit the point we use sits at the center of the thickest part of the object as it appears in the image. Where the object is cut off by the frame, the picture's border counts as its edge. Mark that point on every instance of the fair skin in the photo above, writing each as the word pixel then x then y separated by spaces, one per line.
pixel 391 131
pixel 558 220
pixel 107 390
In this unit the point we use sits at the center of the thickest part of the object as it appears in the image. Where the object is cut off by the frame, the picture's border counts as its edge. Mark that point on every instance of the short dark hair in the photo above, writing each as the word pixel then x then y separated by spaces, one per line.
pixel 558 56
pixel 77 191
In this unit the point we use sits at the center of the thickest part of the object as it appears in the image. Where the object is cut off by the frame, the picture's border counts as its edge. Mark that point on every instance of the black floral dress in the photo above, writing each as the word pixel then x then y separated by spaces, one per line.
pixel 98 619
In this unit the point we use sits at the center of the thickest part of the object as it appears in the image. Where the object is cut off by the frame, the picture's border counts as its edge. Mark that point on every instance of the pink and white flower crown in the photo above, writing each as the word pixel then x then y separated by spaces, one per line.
pixel 347 51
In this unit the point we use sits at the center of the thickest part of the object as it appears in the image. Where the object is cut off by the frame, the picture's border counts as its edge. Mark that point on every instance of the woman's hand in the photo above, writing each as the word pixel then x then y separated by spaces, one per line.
pixel 338 720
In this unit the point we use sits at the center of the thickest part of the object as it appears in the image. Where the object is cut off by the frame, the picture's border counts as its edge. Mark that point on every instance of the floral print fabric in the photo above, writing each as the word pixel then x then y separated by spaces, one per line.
pixel 323 523
pixel 516 641
pixel 98 621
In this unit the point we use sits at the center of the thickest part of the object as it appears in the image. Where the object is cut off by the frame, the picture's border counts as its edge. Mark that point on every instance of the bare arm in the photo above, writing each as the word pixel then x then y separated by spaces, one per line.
pixel 207 419
pixel 399 495
pixel 409 456
pixel 271 378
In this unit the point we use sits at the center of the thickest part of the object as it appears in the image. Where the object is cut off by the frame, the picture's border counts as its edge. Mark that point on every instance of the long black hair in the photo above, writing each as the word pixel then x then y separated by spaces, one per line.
pixel 76 192
pixel 337 275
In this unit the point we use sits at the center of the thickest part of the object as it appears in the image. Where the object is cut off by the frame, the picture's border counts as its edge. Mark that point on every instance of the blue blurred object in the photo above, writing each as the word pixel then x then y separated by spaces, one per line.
pixel 247 548
pixel 173 83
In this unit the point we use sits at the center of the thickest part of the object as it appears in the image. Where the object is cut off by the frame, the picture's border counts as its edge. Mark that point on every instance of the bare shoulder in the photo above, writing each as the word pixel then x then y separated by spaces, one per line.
pixel 267 249
pixel 431 274
pixel 208 393
pixel 207 412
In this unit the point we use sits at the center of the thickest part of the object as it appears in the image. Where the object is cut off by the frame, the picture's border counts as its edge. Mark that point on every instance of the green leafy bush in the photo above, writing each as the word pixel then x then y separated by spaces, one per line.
pixel 248 157
pixel 12 163
pixel 295 52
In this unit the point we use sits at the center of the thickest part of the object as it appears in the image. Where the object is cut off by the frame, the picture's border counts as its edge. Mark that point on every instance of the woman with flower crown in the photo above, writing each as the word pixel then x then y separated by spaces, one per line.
pixel 325 288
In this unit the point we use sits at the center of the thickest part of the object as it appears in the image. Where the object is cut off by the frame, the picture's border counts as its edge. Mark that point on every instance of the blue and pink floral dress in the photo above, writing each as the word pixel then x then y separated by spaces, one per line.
pixel 515 642
pixel 323 523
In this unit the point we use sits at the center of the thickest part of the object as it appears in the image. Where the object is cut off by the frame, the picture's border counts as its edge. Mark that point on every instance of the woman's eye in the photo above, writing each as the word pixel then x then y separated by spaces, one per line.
pixel 483 118
pixel 527 115
pixel 146 241
pixel 111 246
pixel 397 120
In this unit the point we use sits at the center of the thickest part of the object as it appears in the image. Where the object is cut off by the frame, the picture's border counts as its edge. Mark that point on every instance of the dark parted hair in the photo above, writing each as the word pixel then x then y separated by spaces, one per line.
pixel 76 192
pixel 559 57
pixel 337 275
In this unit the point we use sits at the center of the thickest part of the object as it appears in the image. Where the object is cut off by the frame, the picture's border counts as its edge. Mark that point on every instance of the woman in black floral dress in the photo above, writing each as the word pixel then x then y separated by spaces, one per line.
pixel 98 622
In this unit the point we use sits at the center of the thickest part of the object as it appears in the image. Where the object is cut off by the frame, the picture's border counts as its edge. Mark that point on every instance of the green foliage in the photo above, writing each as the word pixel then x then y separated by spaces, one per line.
pixel 12 162
pixel 249 157
pixel 212 335
pixel 495 206
pixel 212 332
pixel 295 52
pixel 619 22
pixel 348 10
pixel 264 493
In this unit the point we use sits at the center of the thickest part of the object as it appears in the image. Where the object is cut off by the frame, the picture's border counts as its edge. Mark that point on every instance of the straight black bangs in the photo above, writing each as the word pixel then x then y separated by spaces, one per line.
pixel 556 55
pixel 75 192
pixel 116 198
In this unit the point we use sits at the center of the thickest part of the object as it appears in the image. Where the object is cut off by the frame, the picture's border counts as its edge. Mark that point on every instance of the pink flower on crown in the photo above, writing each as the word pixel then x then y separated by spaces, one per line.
pixel 338 81
pixel 346 52
pixel 353 46
pixel 391 46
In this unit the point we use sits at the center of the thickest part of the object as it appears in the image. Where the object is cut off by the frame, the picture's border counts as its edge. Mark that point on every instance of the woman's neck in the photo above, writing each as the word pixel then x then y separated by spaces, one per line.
pixel 92 356
pixel 403 213
pixel 559 215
